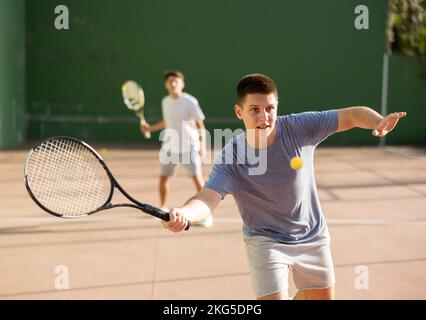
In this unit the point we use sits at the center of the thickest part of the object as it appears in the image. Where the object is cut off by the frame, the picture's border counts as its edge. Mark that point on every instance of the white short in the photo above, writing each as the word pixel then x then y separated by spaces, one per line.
pixel 191 161
pixel 270 262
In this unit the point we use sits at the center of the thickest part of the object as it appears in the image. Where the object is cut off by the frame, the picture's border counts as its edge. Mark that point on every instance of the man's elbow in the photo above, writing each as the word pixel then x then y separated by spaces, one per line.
pixel 346 119
pixel 200 124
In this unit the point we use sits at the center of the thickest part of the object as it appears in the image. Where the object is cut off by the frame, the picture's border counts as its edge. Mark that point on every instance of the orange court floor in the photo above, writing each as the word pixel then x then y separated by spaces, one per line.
pixel 374 200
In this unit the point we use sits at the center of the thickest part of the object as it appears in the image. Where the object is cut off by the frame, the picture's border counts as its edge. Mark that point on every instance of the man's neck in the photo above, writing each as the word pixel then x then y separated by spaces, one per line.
pixel 176 95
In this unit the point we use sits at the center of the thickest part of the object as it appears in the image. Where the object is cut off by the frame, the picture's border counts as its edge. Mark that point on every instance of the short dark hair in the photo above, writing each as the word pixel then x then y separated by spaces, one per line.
pixel 255 83
pixel 173 73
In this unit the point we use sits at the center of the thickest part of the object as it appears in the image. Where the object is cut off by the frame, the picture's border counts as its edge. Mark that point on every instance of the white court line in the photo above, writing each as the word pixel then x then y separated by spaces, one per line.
pixel 216 219
pixel 401 153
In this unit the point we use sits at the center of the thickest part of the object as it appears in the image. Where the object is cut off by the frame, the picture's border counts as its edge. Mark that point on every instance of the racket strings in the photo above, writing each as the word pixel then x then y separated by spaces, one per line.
pixel 133 95
pixel 67 178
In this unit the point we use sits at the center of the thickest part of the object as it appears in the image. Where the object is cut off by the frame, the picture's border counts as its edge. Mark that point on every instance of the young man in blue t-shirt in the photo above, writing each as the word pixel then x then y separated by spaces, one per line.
pixel 284 226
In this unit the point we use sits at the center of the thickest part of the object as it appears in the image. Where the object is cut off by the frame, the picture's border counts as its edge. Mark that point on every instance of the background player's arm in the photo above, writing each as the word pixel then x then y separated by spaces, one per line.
pixel 202 134
pixel 196 208
pixel 367 118
pixel 146 127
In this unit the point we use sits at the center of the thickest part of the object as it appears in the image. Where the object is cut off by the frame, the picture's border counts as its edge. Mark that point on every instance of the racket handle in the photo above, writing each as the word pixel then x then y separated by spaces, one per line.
pixel 188 225
pixel 163 215
pixel 146 134
pixel 156 212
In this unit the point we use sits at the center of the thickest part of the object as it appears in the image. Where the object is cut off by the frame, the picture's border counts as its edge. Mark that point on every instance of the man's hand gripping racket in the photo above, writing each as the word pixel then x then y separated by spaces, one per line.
pixel 177 221
pixel 67 178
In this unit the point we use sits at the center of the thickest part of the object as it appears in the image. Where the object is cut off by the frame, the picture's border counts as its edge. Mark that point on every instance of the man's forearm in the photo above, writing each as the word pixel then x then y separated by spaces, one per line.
pixel 367 118
pixel 364 117
pixel 202 138
pixel 202 133
pixel 195 209
pixel 157 127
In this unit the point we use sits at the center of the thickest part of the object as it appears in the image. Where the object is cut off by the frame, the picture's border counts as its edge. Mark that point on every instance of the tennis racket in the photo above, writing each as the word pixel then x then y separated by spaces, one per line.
pixel 134 98
pixel 67 178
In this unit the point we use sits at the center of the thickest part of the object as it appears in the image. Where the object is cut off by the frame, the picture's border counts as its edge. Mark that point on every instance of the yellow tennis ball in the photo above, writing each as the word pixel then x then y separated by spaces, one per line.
pixel 296 163
pixel 103 151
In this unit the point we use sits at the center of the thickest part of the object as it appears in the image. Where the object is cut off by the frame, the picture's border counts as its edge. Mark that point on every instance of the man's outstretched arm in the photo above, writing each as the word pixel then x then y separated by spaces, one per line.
pixel 196 208
pixel 146 127
pixel 367 118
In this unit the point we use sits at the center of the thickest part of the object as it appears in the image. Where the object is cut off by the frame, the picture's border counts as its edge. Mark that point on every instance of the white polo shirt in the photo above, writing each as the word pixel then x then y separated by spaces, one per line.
pixel 180 116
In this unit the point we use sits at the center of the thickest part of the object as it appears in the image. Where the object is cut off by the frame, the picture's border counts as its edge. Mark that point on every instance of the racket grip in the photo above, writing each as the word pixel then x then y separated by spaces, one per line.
pixel 156 212
pixel 142 121
pixel 163 215
pixel 188 225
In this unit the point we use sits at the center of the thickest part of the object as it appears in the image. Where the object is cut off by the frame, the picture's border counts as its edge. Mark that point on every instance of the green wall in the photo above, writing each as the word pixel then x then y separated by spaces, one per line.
pixel 407 92
pixel 12 72
pixel 311 48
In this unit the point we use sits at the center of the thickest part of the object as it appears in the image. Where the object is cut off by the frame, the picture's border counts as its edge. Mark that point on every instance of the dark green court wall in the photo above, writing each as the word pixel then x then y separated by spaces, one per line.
pixel 407 92
pixel 311 48
pixel 12 72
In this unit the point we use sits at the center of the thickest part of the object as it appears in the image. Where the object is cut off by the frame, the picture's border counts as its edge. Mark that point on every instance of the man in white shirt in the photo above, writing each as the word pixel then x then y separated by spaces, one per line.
pixel 184 140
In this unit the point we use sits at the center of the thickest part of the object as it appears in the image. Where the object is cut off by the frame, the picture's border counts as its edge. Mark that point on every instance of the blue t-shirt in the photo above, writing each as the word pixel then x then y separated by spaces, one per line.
pixel 281 203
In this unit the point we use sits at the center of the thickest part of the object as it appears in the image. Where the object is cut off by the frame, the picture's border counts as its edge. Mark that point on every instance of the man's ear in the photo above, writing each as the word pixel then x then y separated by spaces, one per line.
pixel 238 112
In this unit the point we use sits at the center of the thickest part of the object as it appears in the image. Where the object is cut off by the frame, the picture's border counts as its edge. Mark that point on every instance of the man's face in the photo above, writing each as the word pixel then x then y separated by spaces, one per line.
pixel 258 112
pixel 174 85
